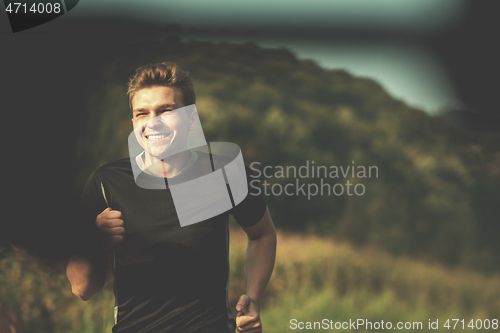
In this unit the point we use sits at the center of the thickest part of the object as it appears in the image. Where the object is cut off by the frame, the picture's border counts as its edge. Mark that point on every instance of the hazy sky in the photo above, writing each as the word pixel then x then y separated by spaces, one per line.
pixel 406 71
pixel 400 14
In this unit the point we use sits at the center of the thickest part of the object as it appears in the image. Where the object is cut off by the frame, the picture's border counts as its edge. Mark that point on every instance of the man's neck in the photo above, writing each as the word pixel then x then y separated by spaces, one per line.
pixel 168 167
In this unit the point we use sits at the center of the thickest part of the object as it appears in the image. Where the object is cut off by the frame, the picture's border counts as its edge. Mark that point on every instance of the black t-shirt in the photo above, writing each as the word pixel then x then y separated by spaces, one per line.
pixel 167 278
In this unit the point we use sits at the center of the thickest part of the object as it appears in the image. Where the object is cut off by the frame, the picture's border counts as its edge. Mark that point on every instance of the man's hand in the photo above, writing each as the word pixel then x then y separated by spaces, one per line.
pixel 110 224
pixel 248 319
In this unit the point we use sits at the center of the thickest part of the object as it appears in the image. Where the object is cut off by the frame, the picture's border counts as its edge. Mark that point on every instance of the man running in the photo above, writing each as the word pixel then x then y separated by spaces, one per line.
pixel 168 277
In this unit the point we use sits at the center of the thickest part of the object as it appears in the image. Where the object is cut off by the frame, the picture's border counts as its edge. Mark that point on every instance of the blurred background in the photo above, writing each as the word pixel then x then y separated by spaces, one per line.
pixel 407 86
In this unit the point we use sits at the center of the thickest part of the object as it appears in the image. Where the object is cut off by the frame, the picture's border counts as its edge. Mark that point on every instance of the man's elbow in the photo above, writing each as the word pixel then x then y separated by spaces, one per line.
pixel 82 296
pixel 86 294
pixel 85 277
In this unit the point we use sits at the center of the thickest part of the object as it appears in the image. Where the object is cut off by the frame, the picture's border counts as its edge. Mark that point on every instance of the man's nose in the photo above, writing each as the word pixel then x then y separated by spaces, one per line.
pixel 154 120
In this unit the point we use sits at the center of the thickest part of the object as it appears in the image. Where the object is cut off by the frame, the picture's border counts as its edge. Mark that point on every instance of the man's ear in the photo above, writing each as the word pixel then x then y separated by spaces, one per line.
pixel 194 119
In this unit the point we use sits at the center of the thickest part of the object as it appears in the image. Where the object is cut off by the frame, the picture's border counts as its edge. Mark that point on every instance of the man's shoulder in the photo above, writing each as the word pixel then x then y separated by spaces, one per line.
pixel 121 163
pixel 116 167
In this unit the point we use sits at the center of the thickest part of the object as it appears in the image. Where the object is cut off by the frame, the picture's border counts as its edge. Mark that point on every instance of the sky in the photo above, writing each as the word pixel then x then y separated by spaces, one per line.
pixel 420 15
pixel 407 71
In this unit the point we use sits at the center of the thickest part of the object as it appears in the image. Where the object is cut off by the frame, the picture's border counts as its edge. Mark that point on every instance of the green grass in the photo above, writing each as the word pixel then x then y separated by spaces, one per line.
pixel 314 279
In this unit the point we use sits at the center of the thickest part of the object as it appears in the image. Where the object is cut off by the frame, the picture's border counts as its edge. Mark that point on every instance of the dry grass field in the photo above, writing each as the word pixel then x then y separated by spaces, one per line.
pixel 314 279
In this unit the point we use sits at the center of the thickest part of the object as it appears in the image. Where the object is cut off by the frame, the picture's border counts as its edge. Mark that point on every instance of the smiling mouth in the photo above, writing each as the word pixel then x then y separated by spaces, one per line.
pixel 156 137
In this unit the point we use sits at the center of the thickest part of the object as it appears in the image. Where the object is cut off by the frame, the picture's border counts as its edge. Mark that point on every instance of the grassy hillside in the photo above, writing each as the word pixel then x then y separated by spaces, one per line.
pixel 315 278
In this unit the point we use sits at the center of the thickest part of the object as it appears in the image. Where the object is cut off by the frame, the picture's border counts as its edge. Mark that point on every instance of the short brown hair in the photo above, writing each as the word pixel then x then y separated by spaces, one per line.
pixel 166 74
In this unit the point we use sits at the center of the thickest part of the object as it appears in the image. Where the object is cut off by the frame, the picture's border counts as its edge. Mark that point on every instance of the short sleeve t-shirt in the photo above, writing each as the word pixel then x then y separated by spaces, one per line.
pixel 167 278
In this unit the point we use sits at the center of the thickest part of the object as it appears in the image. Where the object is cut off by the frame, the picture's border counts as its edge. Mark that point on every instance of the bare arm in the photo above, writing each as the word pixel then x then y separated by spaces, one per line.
pixel 261 254
pixel 260 258
pixel 87 276
pixel 87 273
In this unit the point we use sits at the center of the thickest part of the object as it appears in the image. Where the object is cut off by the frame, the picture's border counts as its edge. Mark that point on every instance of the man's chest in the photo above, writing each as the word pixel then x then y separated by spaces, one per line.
pixel 152 226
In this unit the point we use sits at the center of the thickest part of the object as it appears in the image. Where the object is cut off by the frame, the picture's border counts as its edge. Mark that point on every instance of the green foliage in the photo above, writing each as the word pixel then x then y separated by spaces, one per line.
pixel 35 297
pixel 314 278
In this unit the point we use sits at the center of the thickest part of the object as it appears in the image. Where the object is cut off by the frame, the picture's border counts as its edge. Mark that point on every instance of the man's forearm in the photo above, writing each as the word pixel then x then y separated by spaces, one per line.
pixel 86 276
pixel 260 258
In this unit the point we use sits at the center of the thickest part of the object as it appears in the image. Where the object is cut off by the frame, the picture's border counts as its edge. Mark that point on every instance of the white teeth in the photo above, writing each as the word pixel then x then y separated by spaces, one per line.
pixel 156 137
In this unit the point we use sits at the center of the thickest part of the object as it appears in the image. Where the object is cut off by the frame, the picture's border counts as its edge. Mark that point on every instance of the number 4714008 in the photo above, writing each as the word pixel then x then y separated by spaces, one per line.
pixel 478 323
pixel 39 8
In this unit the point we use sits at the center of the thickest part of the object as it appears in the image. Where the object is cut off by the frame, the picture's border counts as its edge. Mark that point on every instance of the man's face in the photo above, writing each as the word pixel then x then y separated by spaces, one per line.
pixel 161 130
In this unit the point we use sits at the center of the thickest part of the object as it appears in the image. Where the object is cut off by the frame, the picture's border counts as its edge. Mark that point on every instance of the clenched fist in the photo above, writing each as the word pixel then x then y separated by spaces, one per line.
pixel 110 225
pixel 248 319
